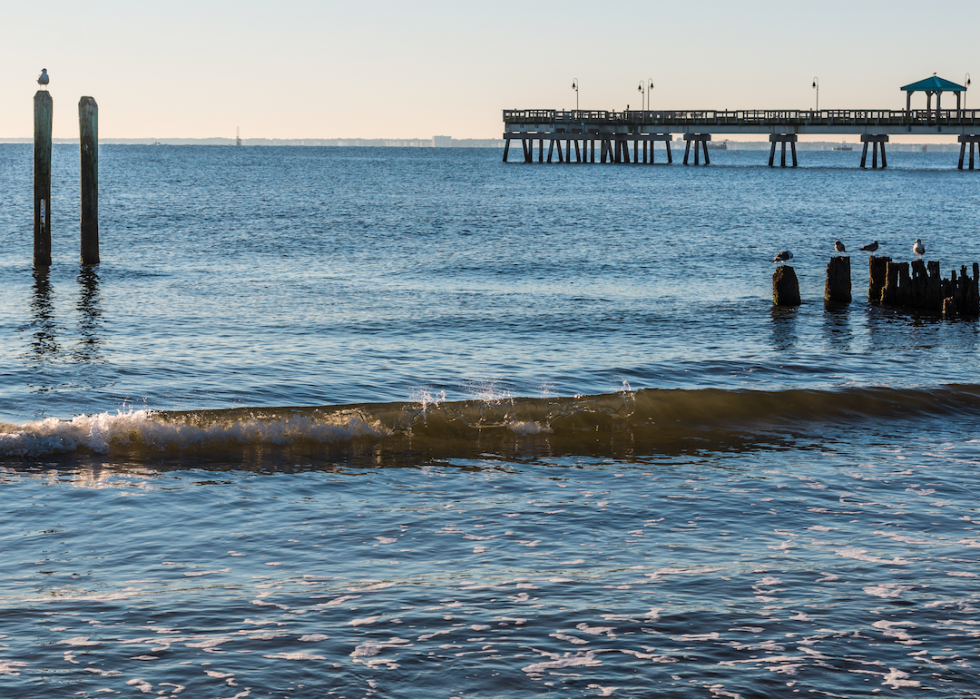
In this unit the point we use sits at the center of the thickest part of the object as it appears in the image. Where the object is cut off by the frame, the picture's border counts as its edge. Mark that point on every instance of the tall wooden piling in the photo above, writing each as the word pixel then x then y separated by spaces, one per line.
pixel 785 287
pixel 88 149
pixel 43 111
pixel 838 286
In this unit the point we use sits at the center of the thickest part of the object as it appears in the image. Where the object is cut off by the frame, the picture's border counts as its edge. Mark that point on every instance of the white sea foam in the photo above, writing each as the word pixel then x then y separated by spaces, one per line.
pixel 101 432
pixel 888 590
pixel 11 667
pixel 295 656
pixel 79 641
pixel 586 659
pixel 862 555
pixel 896 678
pixel 364 621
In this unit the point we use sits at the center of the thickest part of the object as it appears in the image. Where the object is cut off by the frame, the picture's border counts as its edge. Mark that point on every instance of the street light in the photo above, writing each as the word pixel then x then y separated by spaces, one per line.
pixel 640 89
pixel 649 90
pixel 816 86
pixel 967 83
pixel 575 87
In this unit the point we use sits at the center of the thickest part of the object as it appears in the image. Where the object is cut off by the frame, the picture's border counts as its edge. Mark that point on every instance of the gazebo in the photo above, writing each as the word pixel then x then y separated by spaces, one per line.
pixel 932 86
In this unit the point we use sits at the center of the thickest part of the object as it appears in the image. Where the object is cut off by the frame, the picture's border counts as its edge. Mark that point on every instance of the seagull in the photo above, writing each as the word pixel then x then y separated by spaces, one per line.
pixel 782 256
pixel 839 246
pixel 918 248
pixel 870 247
pixel 43 79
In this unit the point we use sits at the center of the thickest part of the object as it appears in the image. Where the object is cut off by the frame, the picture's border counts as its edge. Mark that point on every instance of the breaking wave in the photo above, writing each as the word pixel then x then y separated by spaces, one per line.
pixel 649 420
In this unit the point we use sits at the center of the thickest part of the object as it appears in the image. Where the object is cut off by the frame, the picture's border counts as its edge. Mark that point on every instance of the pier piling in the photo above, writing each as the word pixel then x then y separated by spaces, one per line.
pixel 43 111
pixel 782 139
pixel 968 141
pixel 785 287
pixel 838 286
pixel 875 140
pixel 88 149
pixel 700 141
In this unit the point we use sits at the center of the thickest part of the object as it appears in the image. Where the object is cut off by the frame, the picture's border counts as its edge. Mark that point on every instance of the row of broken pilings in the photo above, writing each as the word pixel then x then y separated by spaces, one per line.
pixel 917 285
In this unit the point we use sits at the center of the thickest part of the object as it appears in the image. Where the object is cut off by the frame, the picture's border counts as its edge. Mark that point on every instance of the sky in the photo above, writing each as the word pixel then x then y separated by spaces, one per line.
pixel 381 69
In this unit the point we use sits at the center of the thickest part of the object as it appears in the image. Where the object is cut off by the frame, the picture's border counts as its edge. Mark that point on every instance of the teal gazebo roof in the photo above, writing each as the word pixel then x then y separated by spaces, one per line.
pixel 934 84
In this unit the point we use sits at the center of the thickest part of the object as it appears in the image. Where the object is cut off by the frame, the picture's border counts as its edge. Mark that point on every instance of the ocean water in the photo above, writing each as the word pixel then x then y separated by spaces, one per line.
pixel 400 423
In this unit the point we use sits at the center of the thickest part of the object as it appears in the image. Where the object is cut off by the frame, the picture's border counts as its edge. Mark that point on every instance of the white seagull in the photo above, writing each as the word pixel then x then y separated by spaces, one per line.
pixel 782 256
pixel 870 247
pixel 43 78
pixel 839 246
pixel 918 248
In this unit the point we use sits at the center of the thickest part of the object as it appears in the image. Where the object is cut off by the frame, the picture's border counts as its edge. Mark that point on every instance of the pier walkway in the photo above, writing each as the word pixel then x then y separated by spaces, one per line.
pixel 616 131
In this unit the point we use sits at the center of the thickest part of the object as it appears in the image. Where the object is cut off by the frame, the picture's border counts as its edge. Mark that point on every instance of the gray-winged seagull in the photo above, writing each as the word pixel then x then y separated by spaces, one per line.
pixel 43 78
pixel 782 256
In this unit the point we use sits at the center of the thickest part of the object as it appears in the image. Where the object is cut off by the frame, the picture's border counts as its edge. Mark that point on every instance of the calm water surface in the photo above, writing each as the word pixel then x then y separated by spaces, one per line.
pixel 382 422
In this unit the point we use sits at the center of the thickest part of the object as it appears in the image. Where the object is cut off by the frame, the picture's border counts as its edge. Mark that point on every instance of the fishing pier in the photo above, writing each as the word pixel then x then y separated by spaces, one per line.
pixel 616 132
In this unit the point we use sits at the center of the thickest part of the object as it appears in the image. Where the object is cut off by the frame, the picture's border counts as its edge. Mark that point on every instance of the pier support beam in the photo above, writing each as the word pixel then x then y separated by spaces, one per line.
pixel 968 141
pixel 700 141
pixel 782 139
pixel 874 139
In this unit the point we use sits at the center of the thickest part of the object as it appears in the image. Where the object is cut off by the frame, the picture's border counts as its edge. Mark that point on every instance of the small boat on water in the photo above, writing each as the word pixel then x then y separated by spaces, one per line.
pixel 718 145
pixel 844 146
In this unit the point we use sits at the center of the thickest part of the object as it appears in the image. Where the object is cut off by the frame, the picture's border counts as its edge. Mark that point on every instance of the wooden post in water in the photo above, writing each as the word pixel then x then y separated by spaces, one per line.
pixel 838 286
pixel 88 149
pixel 785 287
pixel 43 111
pixel 877 271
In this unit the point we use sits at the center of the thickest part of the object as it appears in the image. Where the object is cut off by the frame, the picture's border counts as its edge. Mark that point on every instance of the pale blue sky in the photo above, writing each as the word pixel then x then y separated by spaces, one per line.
pixel 302 69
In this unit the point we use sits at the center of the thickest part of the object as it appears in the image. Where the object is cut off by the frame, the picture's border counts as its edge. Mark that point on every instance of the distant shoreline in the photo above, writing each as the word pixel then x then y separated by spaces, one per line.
pixel 448 142
pixel 437 142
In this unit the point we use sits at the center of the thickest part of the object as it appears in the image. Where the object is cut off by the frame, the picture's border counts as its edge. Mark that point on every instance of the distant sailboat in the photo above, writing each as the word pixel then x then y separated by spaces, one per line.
pixel 238 136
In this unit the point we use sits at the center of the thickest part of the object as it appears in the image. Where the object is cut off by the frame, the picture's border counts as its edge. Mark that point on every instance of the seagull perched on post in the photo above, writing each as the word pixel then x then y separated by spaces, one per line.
pixel 918 248
pixel 782 256
pixel 43 78
pixel 839 246
pixel 870 247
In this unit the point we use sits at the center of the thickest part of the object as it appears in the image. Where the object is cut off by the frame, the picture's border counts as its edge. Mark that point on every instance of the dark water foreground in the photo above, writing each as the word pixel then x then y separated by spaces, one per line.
pixel 540 431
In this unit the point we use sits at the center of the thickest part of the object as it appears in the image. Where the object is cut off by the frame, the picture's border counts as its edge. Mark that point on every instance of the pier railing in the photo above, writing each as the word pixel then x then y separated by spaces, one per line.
pixel 746 117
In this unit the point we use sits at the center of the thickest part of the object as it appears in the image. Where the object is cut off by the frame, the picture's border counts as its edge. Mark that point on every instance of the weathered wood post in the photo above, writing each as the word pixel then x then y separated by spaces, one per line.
pixel 838 286
pixel 43 111
pixel 785 287
pixel 88 148
pixel 877 271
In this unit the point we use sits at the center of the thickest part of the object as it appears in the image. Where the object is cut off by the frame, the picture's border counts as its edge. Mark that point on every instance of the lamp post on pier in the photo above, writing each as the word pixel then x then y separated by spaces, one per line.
pixel 642 90
pixel 966 82
pixel 816 86
pixel 649 91
pixel 574 87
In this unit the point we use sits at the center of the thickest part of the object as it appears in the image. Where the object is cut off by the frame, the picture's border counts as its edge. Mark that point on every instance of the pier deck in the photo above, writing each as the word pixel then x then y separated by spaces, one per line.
pixel 615 130
pixel 826 121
